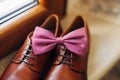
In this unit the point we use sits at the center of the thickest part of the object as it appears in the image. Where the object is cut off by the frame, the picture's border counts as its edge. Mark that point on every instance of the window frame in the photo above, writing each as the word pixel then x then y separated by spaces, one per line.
pixel 18 11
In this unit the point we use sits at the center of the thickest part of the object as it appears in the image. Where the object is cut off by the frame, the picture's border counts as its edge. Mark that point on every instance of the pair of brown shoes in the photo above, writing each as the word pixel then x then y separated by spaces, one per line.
pixel 59 63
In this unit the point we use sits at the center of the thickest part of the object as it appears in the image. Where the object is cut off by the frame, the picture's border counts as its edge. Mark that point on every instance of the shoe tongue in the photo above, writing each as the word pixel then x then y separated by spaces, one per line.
pixel 61 50
pixel 68 56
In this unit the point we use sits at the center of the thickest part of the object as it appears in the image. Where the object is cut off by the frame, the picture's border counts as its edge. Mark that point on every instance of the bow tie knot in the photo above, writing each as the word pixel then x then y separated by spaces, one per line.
pixel 59 40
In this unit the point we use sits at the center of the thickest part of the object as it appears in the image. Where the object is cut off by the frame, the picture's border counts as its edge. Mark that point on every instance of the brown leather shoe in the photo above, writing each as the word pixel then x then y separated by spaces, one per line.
pixel 26 65
pixel 68 65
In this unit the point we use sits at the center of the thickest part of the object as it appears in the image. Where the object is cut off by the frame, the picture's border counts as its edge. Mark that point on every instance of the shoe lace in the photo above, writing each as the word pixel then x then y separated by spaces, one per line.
pixel 27 55
pixel 66 57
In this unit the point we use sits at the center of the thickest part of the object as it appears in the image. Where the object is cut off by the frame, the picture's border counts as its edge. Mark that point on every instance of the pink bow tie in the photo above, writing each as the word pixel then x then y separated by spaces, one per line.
pixel 44 41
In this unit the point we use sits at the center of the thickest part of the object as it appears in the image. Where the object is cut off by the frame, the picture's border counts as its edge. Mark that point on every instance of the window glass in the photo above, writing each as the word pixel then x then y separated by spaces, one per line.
pixel 11 8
